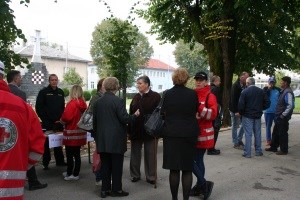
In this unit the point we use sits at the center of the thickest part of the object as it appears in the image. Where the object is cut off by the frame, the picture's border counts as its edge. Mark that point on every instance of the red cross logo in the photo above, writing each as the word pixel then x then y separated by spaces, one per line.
pixel 3 135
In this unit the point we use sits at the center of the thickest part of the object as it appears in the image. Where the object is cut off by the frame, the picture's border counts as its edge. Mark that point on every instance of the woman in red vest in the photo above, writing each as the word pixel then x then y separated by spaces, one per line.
pixel 207 112
pixel 74 137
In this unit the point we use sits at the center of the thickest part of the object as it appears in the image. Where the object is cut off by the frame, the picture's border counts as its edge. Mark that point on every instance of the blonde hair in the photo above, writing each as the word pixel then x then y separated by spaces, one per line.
pixel 111 84
pixel 76 92
pixel 180 76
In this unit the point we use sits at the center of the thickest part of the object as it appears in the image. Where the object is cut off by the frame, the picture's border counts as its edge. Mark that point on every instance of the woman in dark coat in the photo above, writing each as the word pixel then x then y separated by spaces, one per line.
pixel 109 123
pixel 180 132
pixel 146 101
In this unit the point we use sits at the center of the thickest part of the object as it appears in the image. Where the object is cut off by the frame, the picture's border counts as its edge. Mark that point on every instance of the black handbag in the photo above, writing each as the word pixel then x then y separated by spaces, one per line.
pixel 154 124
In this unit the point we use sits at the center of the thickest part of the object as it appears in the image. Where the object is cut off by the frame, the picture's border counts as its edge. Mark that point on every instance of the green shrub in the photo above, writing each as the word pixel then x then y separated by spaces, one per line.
pixel 93 92
pixel 87 95
pixel 66 91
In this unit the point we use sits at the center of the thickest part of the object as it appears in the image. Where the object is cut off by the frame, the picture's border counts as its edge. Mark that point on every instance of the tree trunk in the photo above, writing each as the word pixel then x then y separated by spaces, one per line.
pixel 228 45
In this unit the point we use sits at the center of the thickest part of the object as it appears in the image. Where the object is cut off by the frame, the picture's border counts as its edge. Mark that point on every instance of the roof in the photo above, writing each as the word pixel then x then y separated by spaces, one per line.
pixel 49 52
pixel 157 64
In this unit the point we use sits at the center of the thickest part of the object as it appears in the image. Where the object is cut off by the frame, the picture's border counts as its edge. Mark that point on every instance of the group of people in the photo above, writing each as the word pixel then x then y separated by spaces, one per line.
pixel 193 118
pixel 248 103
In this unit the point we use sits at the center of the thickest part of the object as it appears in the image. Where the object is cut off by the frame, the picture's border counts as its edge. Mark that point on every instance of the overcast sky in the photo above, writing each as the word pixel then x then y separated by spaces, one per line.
pixel 73 21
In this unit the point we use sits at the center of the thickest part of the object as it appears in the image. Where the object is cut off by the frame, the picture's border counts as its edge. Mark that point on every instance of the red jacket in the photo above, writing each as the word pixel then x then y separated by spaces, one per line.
pixel 73 136
pixel 21 143
pixel 207 115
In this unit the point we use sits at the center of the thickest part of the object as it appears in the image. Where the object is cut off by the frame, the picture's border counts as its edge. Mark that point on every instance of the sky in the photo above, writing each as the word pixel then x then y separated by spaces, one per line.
pixel 71 23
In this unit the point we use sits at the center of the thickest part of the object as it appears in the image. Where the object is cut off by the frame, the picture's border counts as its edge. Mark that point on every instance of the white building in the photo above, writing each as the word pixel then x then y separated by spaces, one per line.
pixel 158 72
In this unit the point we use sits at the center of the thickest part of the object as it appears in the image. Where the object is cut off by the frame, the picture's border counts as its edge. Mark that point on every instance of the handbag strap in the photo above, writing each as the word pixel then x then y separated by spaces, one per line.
pixel 162 100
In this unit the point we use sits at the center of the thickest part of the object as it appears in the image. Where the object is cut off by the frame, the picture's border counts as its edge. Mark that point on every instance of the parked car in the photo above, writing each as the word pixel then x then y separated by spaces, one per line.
pixel 297 93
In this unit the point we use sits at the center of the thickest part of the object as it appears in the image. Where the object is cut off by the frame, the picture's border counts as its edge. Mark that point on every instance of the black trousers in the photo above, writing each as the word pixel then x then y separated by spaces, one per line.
pixel 73 153
pixel 216 134
pixel 112 168
pixel 280 136
pixel 58 154
pixel 32 177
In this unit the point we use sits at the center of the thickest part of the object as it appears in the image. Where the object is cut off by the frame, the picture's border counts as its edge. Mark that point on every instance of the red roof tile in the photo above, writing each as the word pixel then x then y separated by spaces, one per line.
pixel 157 64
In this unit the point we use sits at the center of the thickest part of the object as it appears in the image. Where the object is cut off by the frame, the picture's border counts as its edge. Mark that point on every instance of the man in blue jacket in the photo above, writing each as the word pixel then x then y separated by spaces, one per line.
pixel 251 104
pixel 283 113
pixel 273 93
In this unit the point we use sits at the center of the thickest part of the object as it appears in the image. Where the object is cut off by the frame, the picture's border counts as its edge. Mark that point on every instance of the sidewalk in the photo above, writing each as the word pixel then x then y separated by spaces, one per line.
pixel 260 178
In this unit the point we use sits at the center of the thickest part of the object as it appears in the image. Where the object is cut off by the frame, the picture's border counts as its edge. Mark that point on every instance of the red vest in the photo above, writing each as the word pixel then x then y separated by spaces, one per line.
pixel 207 112
pixel 21 144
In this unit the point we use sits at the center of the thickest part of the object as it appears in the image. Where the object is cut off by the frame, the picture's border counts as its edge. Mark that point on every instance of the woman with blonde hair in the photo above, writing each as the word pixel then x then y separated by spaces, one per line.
pixel 74 137
pixel 180 133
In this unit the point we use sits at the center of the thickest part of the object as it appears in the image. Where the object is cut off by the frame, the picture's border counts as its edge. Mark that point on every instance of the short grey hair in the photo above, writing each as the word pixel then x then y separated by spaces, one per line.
pixel 111 84
pixel 250 81
pixel 214 78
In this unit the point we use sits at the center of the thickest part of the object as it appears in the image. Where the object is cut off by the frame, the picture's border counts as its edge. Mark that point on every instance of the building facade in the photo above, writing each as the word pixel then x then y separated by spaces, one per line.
pixel 158 72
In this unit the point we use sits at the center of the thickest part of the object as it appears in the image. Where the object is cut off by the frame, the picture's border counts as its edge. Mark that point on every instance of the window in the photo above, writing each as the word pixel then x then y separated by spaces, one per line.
pixel 92 70
pixel 92 85
pixel 160 87
pixel 66 69
pixel 164 74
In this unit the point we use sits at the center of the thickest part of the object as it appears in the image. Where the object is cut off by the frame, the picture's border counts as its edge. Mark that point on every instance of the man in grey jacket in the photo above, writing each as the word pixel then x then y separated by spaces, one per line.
pixel 283 113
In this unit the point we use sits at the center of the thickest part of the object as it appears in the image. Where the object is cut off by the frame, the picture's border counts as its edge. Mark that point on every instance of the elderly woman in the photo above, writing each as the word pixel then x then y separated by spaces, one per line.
pixel 146 101
pixel 180 132
pixel 109 123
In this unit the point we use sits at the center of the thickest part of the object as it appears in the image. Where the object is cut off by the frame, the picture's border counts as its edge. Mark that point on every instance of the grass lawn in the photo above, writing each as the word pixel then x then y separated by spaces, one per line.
pixel 297 105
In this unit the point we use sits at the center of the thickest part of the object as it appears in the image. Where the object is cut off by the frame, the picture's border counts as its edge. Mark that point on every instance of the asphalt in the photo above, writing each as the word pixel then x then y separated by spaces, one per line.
pixel 269 177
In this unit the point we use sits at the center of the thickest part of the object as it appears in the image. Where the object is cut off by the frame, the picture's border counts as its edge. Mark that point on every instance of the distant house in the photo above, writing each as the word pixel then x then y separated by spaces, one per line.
pixel 57 61
pixel 158 72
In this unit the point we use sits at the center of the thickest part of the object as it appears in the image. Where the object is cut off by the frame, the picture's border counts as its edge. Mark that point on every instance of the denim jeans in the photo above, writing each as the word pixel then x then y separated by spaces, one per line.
pixel 235 122
pixel 198 166
pixel 269 118
pixel 252 126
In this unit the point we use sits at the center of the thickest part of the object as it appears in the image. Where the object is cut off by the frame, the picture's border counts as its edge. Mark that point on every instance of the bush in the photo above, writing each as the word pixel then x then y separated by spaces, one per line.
pixel 87 95
pixel 66 91
pixel 93 92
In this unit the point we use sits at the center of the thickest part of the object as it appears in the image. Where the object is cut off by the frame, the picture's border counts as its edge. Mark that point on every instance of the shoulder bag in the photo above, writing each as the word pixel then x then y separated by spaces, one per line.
pixel 155 122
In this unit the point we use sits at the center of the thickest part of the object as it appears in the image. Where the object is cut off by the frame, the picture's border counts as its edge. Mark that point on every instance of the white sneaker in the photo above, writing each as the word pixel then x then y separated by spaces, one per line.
pixel 71 178
pixel 98 183
pixel 64 174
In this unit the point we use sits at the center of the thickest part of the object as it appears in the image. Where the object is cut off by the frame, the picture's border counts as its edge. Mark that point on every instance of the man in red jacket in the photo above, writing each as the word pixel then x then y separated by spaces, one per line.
pixel 21 143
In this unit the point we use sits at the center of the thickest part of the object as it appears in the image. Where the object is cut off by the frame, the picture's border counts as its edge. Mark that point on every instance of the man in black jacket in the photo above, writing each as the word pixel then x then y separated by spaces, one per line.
pixel 252 102
pixel 236 90
pixel 50 104
pixel 215 82
pixel 14 80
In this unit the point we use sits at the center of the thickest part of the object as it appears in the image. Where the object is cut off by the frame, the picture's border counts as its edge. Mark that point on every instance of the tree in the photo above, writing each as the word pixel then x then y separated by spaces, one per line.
pixel 237 35
pixel 119 49
pixel 9 34
pixel 72 77
pixel 193 58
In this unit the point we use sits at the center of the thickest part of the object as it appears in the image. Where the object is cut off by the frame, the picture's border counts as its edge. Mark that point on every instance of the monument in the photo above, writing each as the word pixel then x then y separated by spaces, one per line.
pixel 37 76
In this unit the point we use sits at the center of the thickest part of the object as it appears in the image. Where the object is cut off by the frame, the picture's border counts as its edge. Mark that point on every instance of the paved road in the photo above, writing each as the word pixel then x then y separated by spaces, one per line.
pixel 270 177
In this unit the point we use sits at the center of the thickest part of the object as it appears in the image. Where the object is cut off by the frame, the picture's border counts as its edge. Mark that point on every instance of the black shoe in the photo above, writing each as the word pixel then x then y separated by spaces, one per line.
pixel 46 167
pixel 119 194
pixel 195 191
pixel 213 152
pixel 208 189
pixel 281 153
pixel 135 179
pixel 271 149
pixel 241 143
pixel 37 186
pixel 61 164
pixel 151 182
pixel 104 194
